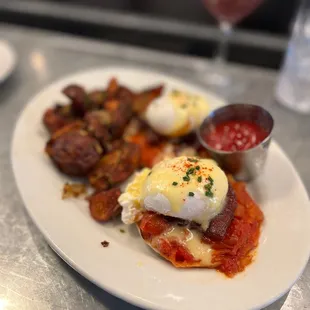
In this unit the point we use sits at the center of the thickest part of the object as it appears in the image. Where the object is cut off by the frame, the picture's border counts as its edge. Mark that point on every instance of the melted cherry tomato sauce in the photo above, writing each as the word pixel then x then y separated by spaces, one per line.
pixel 235 136
pixel 237 250
pixel 231 255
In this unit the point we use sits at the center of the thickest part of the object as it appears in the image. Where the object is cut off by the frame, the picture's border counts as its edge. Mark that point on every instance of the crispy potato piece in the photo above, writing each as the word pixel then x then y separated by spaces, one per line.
pixel 115 167
pixel 97 98
pixel 109 124
pixel 74 152
pixel 116 91
pixel 98 123
pixel 143 99
pixel 120 119
pixel 121 114
pixel 53 119
pixel 104 205
pixel 114 145
pixel 76 125
pixel 79 99
pixel 74 92
pixel 125 95
pixel 112 105
pixel 112 88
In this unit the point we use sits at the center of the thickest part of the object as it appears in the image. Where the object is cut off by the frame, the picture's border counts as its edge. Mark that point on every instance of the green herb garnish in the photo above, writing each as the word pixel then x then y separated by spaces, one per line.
pixel 191 194
pixel 190 170
pixel 197 167
pixel 174 183
pixel 209 194
pixel 186 178
pixel 122 231
pixel 199 179
pixel 208 186
pixel 149 173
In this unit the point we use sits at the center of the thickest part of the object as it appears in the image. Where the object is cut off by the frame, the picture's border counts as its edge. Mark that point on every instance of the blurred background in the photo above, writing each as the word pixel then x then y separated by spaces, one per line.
pixel 273 16
pixel 180 26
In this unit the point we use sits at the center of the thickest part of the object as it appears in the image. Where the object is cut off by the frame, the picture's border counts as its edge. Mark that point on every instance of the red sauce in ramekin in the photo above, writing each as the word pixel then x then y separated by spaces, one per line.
pixel 233 136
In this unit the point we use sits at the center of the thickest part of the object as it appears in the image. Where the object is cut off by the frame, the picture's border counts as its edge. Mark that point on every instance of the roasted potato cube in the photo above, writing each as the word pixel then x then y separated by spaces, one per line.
pixel 112 88
pixel 74 151
pixel 125 95
pixel 104 205
pixel 54 120
pixel 115 167
pixel 98 123
pixel 143 99
pixel 79 100
pixel 97 98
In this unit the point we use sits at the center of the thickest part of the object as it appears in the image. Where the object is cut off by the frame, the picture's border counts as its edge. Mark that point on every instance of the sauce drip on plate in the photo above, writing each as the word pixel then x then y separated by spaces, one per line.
pixel 235 136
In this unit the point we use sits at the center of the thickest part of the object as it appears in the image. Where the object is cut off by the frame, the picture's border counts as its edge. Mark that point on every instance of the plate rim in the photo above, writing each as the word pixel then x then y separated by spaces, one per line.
pixel 111 289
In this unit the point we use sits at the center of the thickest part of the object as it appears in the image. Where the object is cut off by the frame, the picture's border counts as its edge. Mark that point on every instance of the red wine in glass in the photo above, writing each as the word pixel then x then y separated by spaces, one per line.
pixel 227 13
pixel 231 11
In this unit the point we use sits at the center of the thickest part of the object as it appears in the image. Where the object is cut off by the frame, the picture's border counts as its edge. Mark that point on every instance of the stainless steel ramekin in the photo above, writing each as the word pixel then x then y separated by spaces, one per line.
pixel 243 165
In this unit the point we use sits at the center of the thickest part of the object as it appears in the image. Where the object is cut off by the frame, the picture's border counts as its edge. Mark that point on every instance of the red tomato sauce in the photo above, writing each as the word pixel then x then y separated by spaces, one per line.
pixel 231 255
pixel 152 225
pixel 237 250
pixel 235 136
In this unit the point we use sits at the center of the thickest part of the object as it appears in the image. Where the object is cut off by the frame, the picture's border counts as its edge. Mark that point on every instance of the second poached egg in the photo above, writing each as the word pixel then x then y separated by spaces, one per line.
pixel 176 113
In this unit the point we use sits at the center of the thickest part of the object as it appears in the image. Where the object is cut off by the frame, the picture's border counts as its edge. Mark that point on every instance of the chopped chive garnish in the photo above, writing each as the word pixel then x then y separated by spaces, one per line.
pixel 210 180
pixel 191 194
pixel 190 170
pixel 186 178
pixel 174 183
pixel 122 231
pixel 208 186
pixel 150 173
pixel 197 167
pixel 209 194
pixel 199 179
pixel 192 160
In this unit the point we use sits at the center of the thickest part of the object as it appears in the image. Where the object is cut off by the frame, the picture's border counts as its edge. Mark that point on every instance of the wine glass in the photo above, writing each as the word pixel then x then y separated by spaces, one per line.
pixel 227 13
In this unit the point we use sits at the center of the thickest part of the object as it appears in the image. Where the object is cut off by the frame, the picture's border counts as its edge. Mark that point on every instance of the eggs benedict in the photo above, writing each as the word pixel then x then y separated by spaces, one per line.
pixel 176 204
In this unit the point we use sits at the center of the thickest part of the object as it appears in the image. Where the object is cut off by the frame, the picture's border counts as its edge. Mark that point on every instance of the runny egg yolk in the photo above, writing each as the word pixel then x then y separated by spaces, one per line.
pixel 186 188
pixel 177 113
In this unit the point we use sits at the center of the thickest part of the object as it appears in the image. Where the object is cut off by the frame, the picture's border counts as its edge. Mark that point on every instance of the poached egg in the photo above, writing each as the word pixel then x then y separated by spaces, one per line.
pixel 188 188
pixel 177 113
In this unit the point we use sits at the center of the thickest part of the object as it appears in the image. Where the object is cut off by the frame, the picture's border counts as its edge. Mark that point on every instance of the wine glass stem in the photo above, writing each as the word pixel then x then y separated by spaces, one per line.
pixel 221 54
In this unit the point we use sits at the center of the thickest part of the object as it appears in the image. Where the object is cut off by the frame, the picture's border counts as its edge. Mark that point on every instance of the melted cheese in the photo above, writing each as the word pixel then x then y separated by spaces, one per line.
pixel 190 239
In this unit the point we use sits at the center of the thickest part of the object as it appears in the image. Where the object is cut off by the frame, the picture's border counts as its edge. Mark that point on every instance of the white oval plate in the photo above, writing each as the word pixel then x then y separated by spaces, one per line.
pixel 128 268
pixel 8 60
